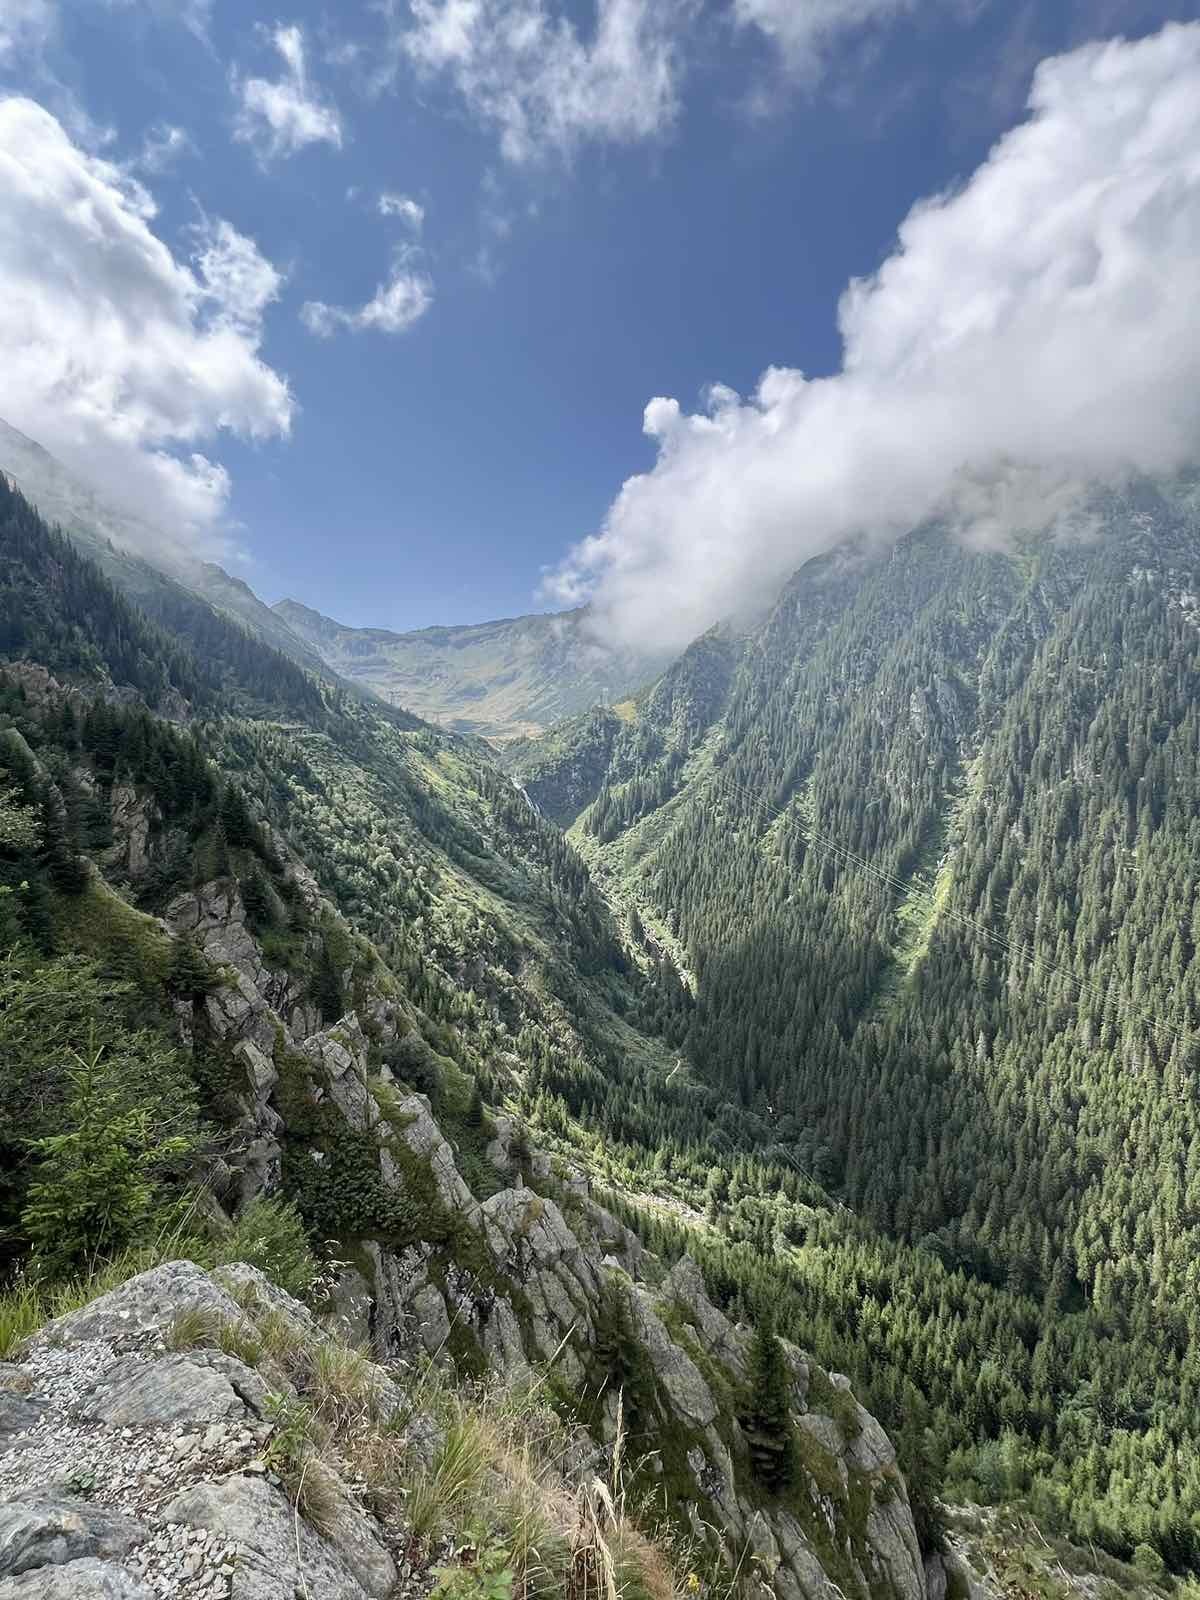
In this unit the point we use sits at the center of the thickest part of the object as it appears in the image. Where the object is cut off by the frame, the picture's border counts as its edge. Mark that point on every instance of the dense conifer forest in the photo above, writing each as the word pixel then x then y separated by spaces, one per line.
pixel 932 874
pixel 866 972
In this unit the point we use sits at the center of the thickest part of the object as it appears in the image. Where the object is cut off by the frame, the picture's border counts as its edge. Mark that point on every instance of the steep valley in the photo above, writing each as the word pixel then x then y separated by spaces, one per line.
pixel 854 1007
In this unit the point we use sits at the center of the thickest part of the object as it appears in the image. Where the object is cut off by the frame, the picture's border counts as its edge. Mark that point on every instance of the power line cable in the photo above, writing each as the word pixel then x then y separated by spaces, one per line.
pixel 1019 951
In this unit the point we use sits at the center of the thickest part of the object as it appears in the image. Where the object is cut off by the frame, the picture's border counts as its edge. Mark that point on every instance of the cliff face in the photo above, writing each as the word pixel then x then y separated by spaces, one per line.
pixel 521 1272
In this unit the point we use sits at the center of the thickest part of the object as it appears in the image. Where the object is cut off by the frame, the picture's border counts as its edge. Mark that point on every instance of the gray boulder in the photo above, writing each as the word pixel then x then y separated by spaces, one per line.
pixel 18 1412
pixel 148 1303
pixel 685 1285
pixel 86 1579
pixel 424 1139
pixel 280 1554
pixel 202 1386
pixel 40 1528
pixel 678 1376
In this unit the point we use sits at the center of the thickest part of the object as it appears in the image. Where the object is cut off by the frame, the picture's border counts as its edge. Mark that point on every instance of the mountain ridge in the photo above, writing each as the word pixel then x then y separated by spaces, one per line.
pixel 501 679
pixel 120 542
pixel 967 1190
pixel 317 947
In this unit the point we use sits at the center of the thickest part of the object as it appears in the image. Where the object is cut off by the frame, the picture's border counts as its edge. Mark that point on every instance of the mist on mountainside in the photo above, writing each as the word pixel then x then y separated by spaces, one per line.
pixel 1031 338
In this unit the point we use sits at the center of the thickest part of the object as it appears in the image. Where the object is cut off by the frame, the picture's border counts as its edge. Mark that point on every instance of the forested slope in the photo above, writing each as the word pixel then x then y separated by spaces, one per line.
pixel 248 922
pixel 946 1174
pixel 933 875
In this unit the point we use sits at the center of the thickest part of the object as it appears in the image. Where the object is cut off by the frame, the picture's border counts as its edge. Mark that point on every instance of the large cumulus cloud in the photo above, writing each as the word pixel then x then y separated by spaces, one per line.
pixel 1032 332
pixel 118 356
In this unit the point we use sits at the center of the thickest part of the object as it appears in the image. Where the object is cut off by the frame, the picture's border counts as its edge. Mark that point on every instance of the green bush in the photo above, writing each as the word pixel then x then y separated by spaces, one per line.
pixel 1148 1561
pixel 269 1235
pixel 99 1182
pixel 481 1573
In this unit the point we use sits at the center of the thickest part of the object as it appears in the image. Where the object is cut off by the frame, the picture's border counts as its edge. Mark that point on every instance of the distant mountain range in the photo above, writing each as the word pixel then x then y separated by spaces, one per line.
pixel 501 680
pixel 498 680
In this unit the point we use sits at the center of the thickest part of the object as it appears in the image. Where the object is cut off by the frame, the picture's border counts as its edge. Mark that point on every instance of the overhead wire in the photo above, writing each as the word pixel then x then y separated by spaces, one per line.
pixel 1111 994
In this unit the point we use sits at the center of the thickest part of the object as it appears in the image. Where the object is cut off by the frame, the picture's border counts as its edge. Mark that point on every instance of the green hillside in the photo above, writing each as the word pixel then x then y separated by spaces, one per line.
pixel 865 975
pixel 931 868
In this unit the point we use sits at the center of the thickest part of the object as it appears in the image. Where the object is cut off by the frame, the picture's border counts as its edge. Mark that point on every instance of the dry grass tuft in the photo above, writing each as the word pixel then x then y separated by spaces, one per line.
pixel 496 1487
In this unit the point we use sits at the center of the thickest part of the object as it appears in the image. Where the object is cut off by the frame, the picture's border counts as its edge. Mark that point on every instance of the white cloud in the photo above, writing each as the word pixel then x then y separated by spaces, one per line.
pixel 1032 332
pixel 280 116
pixel 25 26
pixel 526 71
pixel 163 145
pixel 238 279
pixel 114 354
pixel 404 206
pixel 804 30
pixel 395 306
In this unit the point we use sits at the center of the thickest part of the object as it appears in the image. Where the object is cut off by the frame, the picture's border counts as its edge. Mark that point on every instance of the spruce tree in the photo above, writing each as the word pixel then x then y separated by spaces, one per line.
pixel 767 1419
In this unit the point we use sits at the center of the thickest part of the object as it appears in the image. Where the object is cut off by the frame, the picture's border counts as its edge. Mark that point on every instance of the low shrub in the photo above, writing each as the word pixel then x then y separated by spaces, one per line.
pixel 269 1235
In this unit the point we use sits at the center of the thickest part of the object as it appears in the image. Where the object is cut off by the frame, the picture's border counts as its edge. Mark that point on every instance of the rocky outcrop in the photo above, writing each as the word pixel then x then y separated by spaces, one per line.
pixel 135 1468
pixel 536 1275
pixel 280 1554
pixel 133 817
pixel 144 1470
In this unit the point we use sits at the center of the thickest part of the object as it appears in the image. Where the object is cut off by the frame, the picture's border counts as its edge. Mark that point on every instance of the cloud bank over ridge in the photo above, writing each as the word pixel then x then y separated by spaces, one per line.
pixel 1031 332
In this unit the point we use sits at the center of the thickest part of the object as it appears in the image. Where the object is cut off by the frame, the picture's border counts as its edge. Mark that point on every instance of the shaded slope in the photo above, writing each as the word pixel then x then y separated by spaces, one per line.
pixel 933 879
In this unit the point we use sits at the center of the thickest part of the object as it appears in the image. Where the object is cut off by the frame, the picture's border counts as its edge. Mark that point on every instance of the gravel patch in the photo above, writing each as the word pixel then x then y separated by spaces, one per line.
pixel 134 1470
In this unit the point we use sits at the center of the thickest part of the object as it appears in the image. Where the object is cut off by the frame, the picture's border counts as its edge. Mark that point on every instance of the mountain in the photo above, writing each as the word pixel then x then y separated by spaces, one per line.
pixel 143 560
pixel 323 960
pixel 500 680
pixel 861 989
pixel 926 848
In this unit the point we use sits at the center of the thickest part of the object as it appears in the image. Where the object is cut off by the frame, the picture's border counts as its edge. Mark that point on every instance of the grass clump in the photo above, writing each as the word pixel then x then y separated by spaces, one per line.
pixel 293 1454
pixel 23 1311
pixel 203 1328
pixel 344 1387
pixel 517 1526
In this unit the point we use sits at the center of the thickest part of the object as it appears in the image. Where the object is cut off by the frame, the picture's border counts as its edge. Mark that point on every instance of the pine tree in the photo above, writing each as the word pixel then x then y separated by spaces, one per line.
pixel 191 971
pixel 474 1117
pixel 767 1419
pixel 327 986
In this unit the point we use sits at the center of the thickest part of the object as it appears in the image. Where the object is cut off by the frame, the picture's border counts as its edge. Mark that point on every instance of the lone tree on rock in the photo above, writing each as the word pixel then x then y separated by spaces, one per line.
pixel 767 1419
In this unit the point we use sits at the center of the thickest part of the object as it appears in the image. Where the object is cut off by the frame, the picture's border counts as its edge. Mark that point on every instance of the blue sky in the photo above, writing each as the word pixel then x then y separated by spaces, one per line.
pixel 408 418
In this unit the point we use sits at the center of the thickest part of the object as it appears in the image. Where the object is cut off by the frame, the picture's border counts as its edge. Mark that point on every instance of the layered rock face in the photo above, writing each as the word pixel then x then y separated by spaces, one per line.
pixel 529 1274
pixel 132 1468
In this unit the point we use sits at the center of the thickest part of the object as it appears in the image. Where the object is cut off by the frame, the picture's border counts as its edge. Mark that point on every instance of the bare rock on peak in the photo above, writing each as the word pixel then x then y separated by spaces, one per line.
pixel 685 1285
pixel 677 1374
pixel 146 1304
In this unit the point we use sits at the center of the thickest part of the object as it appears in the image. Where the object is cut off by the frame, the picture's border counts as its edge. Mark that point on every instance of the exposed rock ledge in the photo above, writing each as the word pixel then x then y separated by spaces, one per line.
pixel 521 1279
pixel 131 1470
